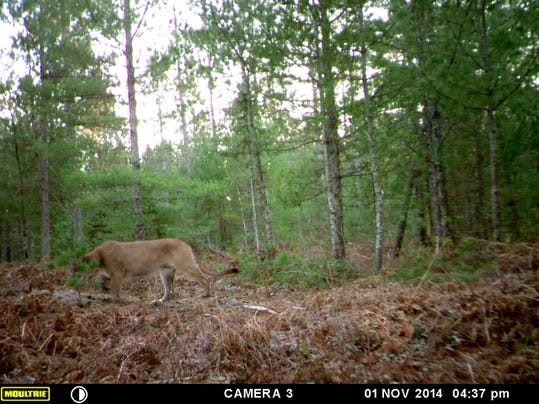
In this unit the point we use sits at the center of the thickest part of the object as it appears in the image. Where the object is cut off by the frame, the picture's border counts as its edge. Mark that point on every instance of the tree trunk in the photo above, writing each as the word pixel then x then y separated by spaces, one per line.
pixel 45 198
pixel 263 197
pixel 423 229
pixel 22 222
pixel 402 224
pixel 5 246
pixel 493 146
pixel 41 128
pixel 378 190
pixel 432 131
pixel 479 219
pixel 256 163
pixel 160 118
pixel 211 86
pixel 183 110
pixel 247 224
pixel 326 88
pixel 78 231
pixel 133 122
pixel 438 195
pixel 255 218
pixel 494 188
pixel 185 132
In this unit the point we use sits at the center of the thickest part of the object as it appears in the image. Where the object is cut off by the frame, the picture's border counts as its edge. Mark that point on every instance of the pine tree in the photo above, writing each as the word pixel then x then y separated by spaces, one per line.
pixel 63 93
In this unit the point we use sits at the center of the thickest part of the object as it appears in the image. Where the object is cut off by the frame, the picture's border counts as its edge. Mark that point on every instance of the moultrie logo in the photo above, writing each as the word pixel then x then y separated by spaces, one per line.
pixel 24 393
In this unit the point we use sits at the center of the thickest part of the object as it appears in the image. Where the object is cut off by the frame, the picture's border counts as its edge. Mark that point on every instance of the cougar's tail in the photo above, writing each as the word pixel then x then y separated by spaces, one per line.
pixel 228 271
pixel 218 274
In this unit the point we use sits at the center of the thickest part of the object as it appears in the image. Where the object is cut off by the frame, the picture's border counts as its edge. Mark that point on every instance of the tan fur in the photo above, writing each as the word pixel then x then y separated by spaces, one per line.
pixel 140 258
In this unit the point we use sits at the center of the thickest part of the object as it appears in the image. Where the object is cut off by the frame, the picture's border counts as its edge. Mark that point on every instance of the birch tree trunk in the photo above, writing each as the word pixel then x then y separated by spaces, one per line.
pixel 330 135
pixel 255 218
pixel 378 190
pixel 78 230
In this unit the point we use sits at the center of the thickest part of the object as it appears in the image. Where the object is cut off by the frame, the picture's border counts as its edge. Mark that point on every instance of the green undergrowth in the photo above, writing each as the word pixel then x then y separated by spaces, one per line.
pixel 291 269
pixel 470 261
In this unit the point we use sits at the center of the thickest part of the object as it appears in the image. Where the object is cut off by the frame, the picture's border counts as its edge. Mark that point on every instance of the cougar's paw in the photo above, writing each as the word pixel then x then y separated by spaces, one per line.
pixel 158 302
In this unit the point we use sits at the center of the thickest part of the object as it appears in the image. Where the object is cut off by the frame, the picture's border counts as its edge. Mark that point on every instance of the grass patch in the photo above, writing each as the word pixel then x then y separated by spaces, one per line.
pixel 466 273
pixel 468 262
pixel 294 270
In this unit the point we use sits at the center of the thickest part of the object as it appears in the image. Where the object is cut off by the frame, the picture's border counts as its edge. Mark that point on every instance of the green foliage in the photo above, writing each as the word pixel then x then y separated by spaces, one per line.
pixel 291 269
pixel 466 245
pixel 77 281
pixel 469 261
pixel 419 268
pixel 467 273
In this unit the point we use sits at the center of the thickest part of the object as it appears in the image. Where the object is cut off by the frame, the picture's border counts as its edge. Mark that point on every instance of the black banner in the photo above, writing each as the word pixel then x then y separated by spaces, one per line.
pixel 215 393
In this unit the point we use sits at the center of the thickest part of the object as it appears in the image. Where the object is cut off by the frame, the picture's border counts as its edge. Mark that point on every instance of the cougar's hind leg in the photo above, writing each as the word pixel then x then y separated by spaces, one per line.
pixel 116 284
pixel 201 278
pixel 104 281
pixel 206 284
pixel 167 277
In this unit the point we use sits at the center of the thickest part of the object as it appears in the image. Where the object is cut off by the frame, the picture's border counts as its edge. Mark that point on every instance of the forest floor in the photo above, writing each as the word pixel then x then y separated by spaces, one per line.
pixel 369 330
